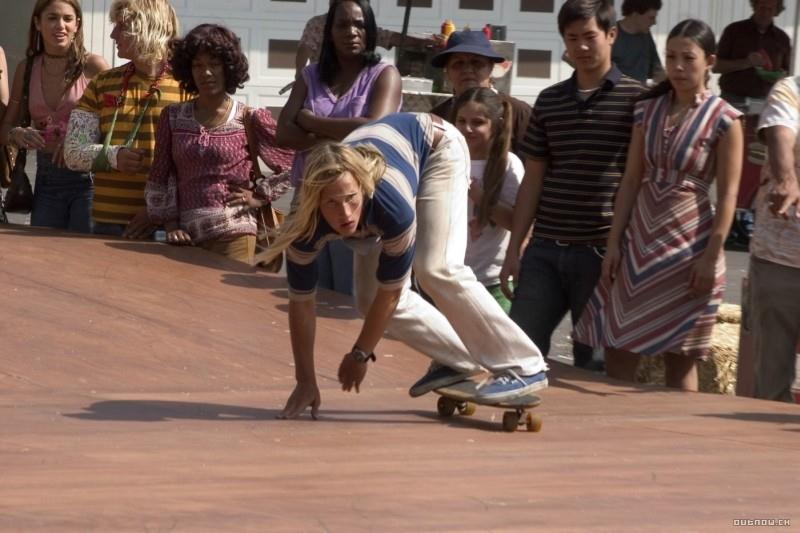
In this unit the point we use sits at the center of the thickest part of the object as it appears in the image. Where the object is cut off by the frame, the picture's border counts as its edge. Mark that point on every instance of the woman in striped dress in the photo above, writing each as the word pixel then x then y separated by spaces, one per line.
pixel 664 270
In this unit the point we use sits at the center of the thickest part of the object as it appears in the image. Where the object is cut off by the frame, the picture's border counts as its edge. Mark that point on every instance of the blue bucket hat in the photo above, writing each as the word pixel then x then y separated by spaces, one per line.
pixel 467 42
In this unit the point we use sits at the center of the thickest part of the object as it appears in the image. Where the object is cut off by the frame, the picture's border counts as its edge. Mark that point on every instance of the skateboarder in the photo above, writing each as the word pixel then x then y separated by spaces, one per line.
pixel 396 190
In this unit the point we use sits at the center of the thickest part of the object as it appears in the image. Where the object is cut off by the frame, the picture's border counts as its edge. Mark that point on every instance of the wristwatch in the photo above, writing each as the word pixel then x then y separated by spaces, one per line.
pixel 361 356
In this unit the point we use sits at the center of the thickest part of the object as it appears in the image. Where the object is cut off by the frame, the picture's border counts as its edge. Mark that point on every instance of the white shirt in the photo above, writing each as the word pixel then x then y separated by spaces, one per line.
pixel 774 238
pixel 486 254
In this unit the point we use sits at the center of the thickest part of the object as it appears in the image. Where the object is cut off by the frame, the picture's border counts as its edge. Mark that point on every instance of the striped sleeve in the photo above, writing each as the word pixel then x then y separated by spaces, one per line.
pixel 534 145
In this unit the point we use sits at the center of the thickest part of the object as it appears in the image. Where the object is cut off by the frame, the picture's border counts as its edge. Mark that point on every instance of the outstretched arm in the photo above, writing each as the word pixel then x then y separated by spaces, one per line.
pixel 352 372
pixel 302 327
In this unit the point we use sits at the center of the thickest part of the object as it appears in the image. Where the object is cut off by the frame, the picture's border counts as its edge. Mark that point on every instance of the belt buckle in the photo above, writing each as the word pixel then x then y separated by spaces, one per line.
pixel 561 243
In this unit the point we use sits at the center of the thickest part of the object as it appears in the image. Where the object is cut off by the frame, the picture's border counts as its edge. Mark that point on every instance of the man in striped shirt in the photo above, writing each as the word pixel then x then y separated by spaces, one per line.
pixel 116 101
pixel 575 151
pixel 396 189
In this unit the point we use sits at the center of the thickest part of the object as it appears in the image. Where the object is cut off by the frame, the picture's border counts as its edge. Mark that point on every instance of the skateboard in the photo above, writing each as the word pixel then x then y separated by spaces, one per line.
pixel 461 397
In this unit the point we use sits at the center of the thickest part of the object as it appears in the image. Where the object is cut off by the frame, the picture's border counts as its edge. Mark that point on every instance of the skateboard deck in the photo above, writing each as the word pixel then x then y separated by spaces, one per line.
pixel 461 397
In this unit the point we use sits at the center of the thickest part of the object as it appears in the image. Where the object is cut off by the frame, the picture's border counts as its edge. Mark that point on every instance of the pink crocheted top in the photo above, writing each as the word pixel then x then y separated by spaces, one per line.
pixel 195 169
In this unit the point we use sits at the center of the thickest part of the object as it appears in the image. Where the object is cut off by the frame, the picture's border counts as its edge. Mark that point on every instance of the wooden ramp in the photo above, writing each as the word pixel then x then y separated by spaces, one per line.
pixel 139 385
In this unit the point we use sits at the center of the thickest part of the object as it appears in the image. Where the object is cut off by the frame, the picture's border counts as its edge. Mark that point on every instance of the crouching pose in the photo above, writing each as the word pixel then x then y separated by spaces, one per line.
pixel 396 190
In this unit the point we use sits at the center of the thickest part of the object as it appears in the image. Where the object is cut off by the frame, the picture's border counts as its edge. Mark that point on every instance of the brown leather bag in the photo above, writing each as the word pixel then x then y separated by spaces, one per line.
pixel 19 195
pixel 268 219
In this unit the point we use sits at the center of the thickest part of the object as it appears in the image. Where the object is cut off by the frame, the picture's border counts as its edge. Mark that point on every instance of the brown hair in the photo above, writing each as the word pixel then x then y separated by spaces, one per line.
pixel 498 109
pixel 76 56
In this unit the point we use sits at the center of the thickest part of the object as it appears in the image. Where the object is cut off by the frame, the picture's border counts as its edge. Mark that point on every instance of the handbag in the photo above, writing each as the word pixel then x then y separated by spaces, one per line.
pixel 268 219
pixel 19 195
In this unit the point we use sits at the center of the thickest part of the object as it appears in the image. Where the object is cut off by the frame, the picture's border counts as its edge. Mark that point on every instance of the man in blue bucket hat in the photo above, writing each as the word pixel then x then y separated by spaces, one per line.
pixel 468 60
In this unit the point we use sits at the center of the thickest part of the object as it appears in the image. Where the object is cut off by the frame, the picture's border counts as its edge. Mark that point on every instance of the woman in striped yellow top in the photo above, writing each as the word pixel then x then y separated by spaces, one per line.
pixel 112 130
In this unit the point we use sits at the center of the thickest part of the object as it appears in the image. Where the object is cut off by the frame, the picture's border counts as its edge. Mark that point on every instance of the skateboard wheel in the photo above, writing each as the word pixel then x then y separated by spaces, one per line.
pixel 533 422
pixel 510 421
pixel 466 408
pixel 445 406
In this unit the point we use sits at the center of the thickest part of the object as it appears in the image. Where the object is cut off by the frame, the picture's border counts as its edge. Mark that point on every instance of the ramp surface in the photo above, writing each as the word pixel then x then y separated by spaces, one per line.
pixel 139 385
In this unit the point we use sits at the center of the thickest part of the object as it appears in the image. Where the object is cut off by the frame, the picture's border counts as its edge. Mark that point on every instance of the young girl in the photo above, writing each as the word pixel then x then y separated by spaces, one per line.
pixel 664 268
pixel 484 118
pixel 60 70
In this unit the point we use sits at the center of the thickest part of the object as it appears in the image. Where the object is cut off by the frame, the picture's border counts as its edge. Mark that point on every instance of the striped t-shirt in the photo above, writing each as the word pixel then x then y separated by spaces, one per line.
pixel 405 140
pixel 117 196
pixel 585 144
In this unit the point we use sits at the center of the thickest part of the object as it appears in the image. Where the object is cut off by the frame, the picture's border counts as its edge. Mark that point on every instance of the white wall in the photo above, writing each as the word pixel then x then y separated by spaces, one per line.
pixel 256 21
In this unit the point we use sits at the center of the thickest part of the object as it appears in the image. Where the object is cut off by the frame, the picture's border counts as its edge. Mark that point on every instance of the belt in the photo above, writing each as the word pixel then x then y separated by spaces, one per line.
pixel 562 242
pixel 438 130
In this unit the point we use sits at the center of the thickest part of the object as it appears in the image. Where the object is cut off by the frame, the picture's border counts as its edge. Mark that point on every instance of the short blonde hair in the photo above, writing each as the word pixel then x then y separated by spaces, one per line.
pixel 324 164
pixel 150 24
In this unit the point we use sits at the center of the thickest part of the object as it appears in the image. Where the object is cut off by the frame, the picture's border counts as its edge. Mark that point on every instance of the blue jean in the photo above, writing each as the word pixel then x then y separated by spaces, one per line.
pixel 555 278
pixel 62 198
pixel 335 267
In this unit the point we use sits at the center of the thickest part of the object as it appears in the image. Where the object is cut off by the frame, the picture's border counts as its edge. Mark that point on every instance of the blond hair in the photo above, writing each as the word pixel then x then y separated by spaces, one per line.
pixel 324 164
pixel 150 24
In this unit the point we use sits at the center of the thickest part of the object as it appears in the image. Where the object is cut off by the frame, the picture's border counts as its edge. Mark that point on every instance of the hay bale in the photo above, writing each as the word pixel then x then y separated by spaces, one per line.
pixel 715 374
pixel 729 314
pixel 718 372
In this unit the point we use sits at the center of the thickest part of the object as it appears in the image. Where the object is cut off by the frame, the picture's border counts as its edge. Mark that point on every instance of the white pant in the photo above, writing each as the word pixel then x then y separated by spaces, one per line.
pixel 469 330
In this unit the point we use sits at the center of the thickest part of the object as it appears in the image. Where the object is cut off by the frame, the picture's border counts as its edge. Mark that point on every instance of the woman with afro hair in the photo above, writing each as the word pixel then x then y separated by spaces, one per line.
pixel 200 187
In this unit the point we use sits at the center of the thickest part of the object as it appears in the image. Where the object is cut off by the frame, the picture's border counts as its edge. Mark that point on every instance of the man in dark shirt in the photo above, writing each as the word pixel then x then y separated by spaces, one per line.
pixel 750 47
pixel 575 149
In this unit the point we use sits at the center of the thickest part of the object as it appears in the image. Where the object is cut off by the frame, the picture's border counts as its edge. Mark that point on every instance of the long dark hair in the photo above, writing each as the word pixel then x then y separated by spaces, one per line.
pixel 328 62
pixel 76 56
pixel 695 30
pixel 498 109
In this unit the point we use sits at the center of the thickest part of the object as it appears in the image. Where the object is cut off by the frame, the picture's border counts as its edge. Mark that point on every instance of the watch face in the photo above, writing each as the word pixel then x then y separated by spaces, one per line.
pixel 360 356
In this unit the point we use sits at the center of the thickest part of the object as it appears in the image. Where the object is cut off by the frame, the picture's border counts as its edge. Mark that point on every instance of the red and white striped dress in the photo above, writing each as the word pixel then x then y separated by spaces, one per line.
pixel 648 309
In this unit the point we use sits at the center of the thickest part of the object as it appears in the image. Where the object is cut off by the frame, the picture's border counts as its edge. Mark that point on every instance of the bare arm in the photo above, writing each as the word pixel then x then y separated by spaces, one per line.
pixel 530 191
pixel 724 66
pixel 351 372
pixel 377 318
pixel 95 64
pixel 301 58
pixel 729 171
pixel 784 189
pixel 302 327
pixel 289 134
pixel 628 187
pixel 525 207
pixel 11 117
pixel 383 100
pixel 3 82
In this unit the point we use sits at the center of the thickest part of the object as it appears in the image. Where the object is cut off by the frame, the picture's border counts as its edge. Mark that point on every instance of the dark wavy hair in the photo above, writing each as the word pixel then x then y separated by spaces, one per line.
pixel 781 6
pixel 600 10
pixel 694 30
pixel 498 110
pixel 217 41
pixel 629 7
pixel 328 62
